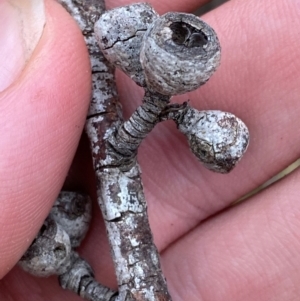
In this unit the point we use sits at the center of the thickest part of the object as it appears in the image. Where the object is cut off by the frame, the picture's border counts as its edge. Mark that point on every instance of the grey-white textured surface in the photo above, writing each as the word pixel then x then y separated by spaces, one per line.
pixel 80 279
pixel 174 62
pixel 50 252
pixel 218 139
pixel 119 33
pixel 73 211
pixel 129 135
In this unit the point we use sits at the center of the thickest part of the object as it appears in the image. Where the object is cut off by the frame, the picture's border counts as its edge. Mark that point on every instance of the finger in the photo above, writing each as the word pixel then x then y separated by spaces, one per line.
pixel 22 23
pixel 19 285
pixel 250 252
pixel 257 81
pixel 163 6
pixel 41 119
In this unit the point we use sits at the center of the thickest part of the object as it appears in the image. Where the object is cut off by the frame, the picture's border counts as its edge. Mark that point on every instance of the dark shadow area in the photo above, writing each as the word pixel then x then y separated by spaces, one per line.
pixel 209 6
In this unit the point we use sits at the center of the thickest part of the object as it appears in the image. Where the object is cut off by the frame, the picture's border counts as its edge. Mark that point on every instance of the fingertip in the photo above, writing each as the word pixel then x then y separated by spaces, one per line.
pixel 41 120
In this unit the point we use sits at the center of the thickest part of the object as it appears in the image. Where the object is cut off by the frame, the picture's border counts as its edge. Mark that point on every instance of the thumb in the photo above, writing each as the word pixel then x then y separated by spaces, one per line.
pixel 42 113
pixel 22 23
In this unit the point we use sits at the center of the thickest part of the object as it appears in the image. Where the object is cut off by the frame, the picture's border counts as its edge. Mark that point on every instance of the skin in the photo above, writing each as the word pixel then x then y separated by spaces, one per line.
pixel 209 251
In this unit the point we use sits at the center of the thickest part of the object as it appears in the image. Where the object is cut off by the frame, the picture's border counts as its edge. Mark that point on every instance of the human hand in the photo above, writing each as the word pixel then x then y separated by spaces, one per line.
pixel 248 252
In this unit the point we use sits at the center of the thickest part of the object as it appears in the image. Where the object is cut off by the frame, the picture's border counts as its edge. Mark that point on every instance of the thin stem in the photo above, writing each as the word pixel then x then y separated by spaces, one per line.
pixel 79 278
pixel 125 141
pixel 174 112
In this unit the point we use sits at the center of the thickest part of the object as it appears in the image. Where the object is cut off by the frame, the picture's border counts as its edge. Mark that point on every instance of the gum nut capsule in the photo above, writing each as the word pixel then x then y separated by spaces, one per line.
pixel 50 252
pixel 73 211
pixel 119 33
pixel 218 139
pixel 179 53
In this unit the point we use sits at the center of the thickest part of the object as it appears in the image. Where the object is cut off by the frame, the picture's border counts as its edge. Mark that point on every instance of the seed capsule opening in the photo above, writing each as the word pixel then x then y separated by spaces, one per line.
pixel 179 53
pixel 187 35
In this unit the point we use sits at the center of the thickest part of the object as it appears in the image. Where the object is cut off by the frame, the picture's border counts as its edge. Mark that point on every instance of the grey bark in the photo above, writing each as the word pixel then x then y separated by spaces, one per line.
pixel 167 55
pixel 119 191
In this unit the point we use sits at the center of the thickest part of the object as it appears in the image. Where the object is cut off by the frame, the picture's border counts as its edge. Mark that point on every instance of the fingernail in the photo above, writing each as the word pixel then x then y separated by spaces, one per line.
pixel 21 23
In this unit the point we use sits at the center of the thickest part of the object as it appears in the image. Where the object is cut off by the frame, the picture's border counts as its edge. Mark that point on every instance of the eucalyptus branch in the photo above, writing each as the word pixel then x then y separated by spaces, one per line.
pixel 166 55
pixel 119 188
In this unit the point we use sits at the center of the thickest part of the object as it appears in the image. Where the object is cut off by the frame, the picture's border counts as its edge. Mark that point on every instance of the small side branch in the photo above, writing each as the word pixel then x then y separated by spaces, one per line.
pixel 123 143
pixel 79 278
